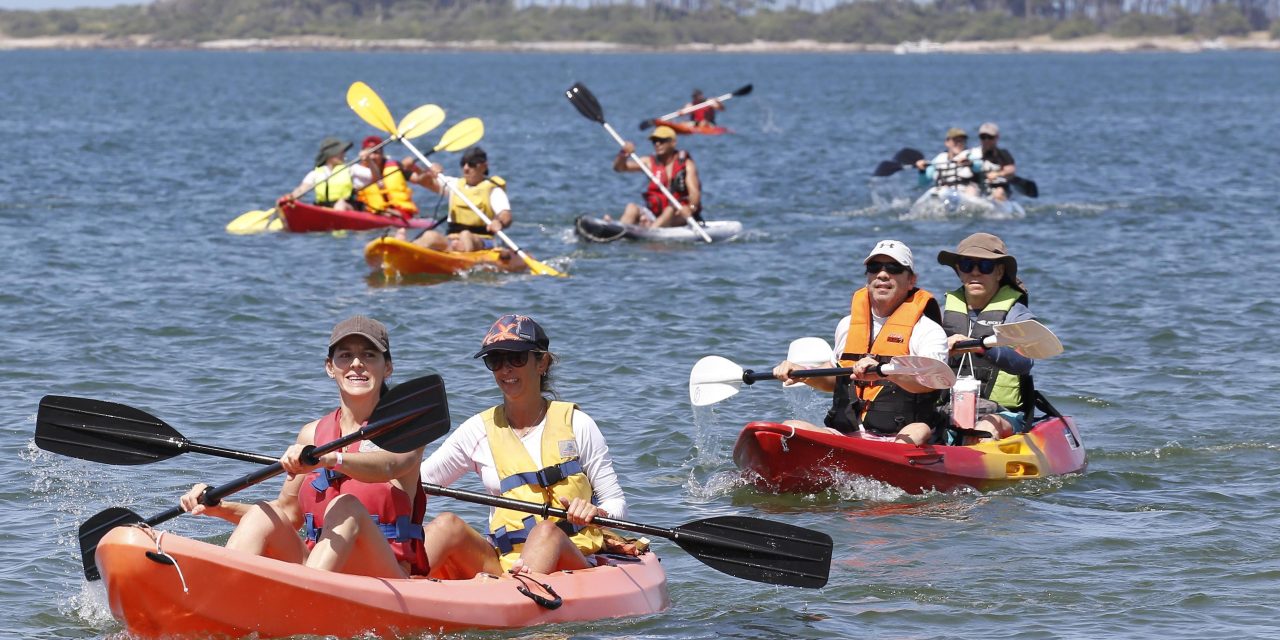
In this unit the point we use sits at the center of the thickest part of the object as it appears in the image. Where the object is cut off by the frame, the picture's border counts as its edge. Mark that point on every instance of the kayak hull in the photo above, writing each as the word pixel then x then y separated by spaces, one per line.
pixel 686 128
pixel 236 594
pixel 394 257
pixel 599 230
pixel 786 460
pixel 300 217
pixel 949 202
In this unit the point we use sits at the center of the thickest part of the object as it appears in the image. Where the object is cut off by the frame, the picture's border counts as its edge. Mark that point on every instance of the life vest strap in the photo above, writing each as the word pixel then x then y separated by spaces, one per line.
pixel 403 529
pixel 506 540
pixel 545 477
pixel 325 478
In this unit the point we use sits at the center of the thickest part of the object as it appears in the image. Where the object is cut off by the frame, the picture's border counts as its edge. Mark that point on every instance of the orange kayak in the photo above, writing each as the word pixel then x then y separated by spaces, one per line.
pixel 229 593
pixel 400 258
pixel 686 128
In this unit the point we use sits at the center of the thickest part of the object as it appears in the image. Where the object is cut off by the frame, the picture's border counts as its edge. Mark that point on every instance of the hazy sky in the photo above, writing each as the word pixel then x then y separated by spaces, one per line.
pixel 65 4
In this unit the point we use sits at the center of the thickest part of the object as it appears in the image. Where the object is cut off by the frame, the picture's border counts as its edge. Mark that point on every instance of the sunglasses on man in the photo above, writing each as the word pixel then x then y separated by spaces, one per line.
pixel 985 265
pixel 892 267
pixel 986 136
pixel 495 359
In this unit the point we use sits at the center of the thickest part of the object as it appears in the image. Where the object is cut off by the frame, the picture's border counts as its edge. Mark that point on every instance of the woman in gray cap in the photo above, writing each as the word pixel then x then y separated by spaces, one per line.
pixel 990 293
pixel 333 500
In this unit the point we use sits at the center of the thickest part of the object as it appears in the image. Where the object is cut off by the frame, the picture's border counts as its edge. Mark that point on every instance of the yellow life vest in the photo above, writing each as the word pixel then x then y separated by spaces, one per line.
pixel 334 188
pixel 523 479
pixel 461 216
pixel 394 193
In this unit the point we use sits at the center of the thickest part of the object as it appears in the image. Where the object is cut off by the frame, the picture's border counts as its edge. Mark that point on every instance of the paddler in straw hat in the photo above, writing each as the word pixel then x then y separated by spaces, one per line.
pixel 675 169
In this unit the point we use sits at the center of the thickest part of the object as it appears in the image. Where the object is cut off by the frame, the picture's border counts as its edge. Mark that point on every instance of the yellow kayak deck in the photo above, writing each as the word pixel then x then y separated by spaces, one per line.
pixel 396 257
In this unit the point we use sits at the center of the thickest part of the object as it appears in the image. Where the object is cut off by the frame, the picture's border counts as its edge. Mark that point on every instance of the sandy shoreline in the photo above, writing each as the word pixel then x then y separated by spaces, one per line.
pixel 1038 44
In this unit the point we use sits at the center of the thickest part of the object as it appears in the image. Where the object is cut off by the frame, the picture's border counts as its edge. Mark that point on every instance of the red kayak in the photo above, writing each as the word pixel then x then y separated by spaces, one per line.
pixel 301 217
pixel 686 128
pixel 786 460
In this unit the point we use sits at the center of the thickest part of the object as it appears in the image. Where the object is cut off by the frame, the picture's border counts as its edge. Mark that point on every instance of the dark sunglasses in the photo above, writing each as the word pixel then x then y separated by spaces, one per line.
pixel 985 265
pixel 657 140
pixel 892 267
pixel 494 360
pixel 986 136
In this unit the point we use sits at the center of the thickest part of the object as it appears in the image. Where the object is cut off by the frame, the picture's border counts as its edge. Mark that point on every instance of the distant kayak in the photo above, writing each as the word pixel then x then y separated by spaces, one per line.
pixel 600 230
pixel 686 128
pixel 784 459
pixel 301 217
pixel 400 258
pixel 950 202
pixel 196 589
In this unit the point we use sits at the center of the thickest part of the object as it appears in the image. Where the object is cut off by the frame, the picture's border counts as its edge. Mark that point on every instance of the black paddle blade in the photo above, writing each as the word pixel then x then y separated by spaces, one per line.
pixel 585 102
pixel 1024 186
pixel 94 528
pixel 759 550
pixel 419 409
pixel 886 168
pixel 742 91
pixel 645 125
pixel 102 431
pixel 907 155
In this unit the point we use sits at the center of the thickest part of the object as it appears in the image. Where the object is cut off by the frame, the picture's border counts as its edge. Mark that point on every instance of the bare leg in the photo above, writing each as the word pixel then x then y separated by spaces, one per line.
pixel 467 241
pixel 634 215
pixel 917 433
pixel 808 426
pixel 352 543
pixel 433 240
pixel 265 531
pixel 549 549
pixel 455 550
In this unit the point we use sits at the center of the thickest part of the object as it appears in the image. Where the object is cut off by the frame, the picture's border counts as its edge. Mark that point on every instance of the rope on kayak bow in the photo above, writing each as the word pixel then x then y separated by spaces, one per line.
pixel 786 438
pixel 163 558
pixel 542 602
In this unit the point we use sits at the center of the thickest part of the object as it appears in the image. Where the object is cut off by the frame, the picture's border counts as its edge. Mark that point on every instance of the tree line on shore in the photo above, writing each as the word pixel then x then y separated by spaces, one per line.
pixel 655 23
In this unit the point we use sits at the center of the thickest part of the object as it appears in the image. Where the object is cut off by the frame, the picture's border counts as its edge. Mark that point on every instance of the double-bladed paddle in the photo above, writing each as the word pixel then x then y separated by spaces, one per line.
pixel 416 123
pixel 740 91
pixel 907 157
pixel 409 416
pixel 714 378
pixel 1028 337
pixel 370 107
pixel 586 104
pixel 748 548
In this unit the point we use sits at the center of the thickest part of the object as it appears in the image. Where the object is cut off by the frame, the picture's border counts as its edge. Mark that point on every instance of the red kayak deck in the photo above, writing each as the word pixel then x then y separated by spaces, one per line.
pixel 232 594
pixel 301 217
pixel 786 460
pixel 686 128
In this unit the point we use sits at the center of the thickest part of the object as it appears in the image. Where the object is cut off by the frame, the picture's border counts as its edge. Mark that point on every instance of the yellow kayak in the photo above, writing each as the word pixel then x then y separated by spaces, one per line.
pixel 400 258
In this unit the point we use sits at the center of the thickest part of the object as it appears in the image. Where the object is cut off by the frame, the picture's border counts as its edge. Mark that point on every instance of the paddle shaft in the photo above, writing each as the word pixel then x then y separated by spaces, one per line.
pixel 546 511
pixel 693 224
pixel 752 377
pixel 694 107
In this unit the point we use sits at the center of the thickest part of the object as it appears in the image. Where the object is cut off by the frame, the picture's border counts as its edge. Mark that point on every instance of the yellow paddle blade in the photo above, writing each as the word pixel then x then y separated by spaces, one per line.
pixel 541 268
pixel 254 222
pixel 370 107
pixel 420 121
pixel 461 135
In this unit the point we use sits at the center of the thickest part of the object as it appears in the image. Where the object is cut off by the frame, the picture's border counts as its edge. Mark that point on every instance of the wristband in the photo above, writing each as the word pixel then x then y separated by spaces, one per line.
pixel 339 462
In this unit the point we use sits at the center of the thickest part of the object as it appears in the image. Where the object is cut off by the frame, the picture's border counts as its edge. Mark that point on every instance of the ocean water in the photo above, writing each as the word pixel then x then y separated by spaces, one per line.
pixel 1150 252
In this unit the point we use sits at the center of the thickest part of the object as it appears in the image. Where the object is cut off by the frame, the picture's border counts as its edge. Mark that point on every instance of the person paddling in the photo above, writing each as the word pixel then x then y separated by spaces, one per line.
pixel 997 164
pixel 990 294
pixel 334 183
pixel 888 317
pixel 466 230
pixel 361 508
pixel 675 169
pixel 954 167
pixel 534 448
pixel 704 117
pixel 390 191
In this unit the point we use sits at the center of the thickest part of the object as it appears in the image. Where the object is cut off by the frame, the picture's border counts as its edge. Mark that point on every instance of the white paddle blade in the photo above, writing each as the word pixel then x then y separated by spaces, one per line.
pixel 713 379
pixel 1030 338
pixel 810 352
pixel 931 373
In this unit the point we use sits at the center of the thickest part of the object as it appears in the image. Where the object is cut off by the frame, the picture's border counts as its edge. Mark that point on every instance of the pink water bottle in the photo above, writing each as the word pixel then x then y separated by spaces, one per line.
pixel 964 402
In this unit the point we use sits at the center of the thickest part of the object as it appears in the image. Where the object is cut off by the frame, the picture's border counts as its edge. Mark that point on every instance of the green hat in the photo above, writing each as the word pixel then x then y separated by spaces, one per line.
pixel 956 132
pixel 329 148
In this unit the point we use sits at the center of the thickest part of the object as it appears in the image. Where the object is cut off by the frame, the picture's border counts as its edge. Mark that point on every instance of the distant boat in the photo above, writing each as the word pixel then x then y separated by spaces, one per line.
pixel 918 46
pixel 1215 44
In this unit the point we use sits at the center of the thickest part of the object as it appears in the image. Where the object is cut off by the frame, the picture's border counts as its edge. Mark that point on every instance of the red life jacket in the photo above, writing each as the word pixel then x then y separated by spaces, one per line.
pixel 399 517
pixel 705 115
pixel 673 181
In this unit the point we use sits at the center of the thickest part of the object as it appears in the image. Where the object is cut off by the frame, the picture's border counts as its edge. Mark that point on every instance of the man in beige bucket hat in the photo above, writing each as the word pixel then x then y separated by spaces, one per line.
pixel 990 294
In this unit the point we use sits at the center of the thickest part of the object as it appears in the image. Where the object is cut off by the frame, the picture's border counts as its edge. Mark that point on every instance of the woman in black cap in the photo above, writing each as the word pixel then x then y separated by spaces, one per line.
pixel 532 448
pixel 467 231
pixel 333 501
